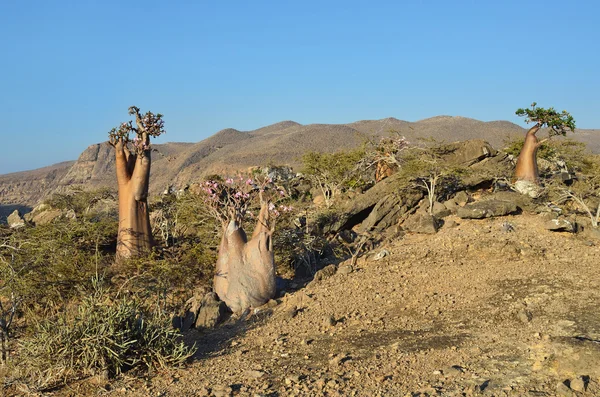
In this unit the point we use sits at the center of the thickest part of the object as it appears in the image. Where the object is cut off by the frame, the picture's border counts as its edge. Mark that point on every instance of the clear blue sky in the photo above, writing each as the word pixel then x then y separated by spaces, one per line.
pixel 70 69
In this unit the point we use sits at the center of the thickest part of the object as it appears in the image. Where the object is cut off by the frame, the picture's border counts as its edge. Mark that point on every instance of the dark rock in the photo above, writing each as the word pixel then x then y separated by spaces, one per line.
pixel 592 233
pixel 391 200
pixel 191 308
pixel 451 205
pixel 325 273
pixel 388 211
pixel 487 209
pixel 212 311
pixel 421 223
pixel 461 198
pixel 439 210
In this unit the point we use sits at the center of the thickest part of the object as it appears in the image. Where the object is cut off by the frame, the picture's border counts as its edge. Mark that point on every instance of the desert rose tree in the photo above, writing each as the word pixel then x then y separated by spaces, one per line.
pixel 526 172
pixel 133 174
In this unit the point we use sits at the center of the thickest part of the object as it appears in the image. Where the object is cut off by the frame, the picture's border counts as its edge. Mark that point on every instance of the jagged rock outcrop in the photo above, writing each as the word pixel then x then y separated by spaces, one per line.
pixel 15 220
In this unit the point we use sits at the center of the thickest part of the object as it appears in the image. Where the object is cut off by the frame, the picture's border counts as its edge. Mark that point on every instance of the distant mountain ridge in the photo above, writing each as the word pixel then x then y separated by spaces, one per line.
pixel 230 150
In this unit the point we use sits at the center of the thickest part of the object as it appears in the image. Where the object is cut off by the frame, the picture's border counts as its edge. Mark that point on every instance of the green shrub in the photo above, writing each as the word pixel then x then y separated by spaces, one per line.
pixel 100 336
pixel 335 172
pixel 573 153
pixel 80 201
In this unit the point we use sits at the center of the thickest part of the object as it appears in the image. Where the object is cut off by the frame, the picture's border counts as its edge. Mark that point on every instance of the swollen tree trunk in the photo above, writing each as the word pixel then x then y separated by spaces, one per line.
pixel 133 174
pixel 527 169
pixel 245 273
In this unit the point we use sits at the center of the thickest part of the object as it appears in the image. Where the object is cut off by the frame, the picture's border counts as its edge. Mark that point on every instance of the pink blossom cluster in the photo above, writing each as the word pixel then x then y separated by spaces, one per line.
pixel 234 196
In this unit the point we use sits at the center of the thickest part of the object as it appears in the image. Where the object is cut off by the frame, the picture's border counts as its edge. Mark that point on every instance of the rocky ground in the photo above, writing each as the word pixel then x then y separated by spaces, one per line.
pixel 492 307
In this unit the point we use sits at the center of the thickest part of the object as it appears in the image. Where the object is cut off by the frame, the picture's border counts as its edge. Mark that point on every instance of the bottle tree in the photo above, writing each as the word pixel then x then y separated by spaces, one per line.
pixel 133 174
pixel 557 124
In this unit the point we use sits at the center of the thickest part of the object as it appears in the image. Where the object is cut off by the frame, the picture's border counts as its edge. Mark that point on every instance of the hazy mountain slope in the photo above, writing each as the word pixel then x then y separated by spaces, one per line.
pixel 230 150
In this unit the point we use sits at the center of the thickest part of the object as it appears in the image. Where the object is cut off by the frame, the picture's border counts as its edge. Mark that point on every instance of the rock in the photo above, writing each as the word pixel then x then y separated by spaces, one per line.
pixel 454 370
pixel 508 227
pixel 528 188
pixel 451 223
pixel 461 198
pixel 487 209
pixel 36 210
pixel 381 254
pixel 451 205
pixel 325 273
pixel 329 321
pixel 563 390
pixel 345 269
pixel 212 311
pixel 222 391
pixel 421 223
pixel 560 225
pixel 388 211
pixel 579 384
pixel 548 216
pixel 46 216
pixel 524 316
pixel 15 220
pixel 291 379
pixel 377 208
pixel 290 313
pixel 439 210
pixel 70 214
pixel 254 374
pixel 469 152
pixel 319 200
pixel 592 233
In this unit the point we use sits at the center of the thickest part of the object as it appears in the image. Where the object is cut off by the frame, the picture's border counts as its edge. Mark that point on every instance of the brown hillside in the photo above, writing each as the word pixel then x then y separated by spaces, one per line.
pixel 230 150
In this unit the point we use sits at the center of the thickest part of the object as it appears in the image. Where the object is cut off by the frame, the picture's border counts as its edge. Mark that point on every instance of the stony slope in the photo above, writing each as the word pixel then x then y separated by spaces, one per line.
pixel 475 309
pixel 231 150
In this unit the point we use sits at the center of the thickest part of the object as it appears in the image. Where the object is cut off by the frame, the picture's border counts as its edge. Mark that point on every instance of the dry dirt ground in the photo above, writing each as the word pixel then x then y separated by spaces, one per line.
pixel 481 308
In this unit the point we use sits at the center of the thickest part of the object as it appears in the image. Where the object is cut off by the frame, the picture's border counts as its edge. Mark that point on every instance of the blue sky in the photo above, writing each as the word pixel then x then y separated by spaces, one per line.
pixel 70 69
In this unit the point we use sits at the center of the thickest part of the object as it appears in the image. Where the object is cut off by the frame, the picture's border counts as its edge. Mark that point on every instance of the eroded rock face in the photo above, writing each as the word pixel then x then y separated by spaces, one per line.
pixel 245 271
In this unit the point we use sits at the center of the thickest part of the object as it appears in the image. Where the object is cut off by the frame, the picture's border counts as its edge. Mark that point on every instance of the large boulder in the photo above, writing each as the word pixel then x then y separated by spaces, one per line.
pixel 560 225
pixel 421 223
pixel 469 152
pixel 203 310
pixel 15 220
pixel 487 209
pixel 378 208
pixel 390 209
pixel 212 311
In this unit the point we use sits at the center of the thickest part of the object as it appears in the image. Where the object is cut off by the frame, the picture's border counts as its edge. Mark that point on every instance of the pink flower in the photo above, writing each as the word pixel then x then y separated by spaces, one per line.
pixel 249 181
pixel 229 181
pixel 281 193
pixel 271 206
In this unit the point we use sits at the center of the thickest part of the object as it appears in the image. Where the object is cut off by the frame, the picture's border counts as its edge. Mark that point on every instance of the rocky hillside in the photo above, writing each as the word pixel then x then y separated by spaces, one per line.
pixel 229 150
